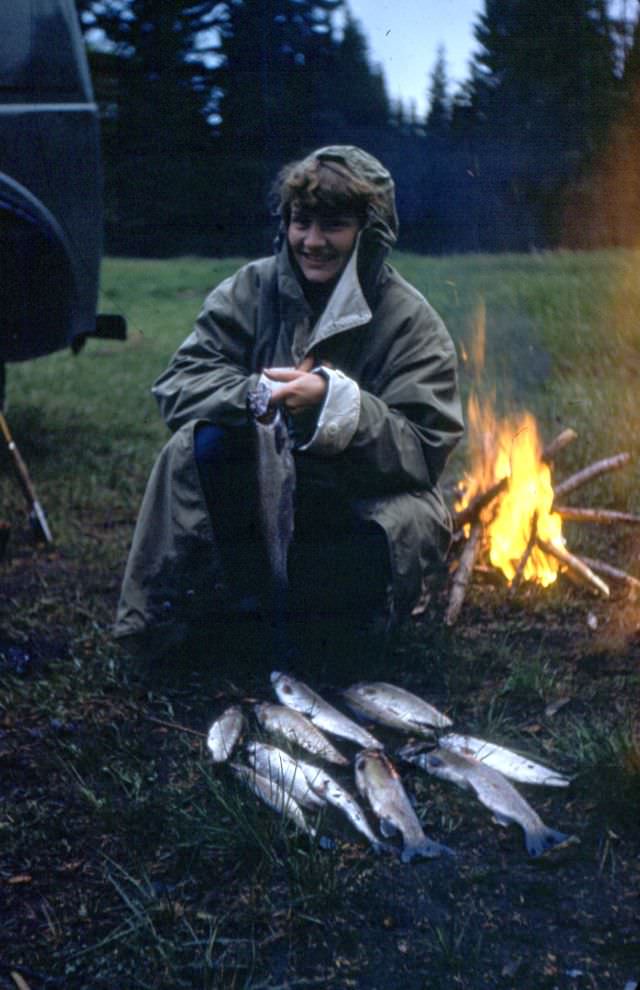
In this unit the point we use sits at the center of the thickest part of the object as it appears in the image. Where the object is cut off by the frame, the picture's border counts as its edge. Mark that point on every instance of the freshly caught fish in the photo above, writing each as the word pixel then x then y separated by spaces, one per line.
pixel 379 782
pixel 504 760
pixel 297 695
pixel 492 789
pixel 276 476
pixel 280 768
pixel 338 796
pixel 395 707
pixel 283 721
pixel 224 733
pixel 274 796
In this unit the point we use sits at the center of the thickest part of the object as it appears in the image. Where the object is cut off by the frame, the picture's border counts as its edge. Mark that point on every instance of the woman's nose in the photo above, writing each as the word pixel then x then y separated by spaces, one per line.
pixel 314 235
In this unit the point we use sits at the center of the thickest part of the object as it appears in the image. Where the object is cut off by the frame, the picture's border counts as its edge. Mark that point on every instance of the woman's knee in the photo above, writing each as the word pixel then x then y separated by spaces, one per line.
pixel 210 443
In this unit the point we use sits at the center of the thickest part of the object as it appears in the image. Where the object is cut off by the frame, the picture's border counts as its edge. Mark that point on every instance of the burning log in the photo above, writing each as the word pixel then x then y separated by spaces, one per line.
pixel 614 573
pixel 462 576
pixel 575 566
pixel 479 502
pixel 559 443
pixel 603 517
pixel 589 473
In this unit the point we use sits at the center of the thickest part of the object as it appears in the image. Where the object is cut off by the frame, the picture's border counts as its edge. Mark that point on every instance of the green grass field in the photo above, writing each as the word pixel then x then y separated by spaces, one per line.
pixel 562 340
pixel 128 861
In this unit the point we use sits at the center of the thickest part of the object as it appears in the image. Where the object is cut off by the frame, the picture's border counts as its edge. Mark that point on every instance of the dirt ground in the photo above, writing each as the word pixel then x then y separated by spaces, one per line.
pixel 123 863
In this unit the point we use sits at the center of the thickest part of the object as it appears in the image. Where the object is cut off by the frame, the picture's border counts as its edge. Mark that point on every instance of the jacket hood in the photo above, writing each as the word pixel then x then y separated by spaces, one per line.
pixel 383 219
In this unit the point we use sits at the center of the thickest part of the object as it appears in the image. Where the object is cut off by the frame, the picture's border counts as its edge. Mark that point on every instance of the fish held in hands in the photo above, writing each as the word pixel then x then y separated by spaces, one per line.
pixel 395 707
pixel 276 482
pixel 299 696
pixel 492 789
pixel 293 725
pixel 378 781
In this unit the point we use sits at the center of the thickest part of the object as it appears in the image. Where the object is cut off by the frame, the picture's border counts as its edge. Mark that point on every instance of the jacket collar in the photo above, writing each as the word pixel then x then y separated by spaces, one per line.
pixel 346 307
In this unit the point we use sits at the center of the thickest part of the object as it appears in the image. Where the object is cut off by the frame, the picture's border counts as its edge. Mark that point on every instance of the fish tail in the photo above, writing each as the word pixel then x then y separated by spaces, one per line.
pixel 543 839
pixel 426 850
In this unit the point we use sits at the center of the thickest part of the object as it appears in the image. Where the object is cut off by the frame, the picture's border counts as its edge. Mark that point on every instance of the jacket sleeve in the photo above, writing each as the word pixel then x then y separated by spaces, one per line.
pixel 209 375
pixel 410 415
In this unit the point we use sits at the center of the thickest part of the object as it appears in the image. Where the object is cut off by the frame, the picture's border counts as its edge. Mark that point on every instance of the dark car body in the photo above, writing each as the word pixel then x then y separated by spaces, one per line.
pixel 51 215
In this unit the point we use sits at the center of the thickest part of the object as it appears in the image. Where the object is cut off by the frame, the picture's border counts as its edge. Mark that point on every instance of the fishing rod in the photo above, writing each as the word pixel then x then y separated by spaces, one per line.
pixel 37 517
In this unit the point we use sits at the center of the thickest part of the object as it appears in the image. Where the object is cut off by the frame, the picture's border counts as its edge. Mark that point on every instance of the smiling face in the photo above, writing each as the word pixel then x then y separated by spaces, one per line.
pixel 321 243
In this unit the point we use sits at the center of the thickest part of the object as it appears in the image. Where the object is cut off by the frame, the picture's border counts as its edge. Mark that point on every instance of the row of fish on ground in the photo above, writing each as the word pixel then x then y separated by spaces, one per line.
pixel 291 785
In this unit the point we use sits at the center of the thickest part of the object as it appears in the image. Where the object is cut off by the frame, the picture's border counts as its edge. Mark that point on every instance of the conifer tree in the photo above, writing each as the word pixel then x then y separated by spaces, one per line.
pixel 546 71
pixel 156 138
pixel 358 89
pixel 439 111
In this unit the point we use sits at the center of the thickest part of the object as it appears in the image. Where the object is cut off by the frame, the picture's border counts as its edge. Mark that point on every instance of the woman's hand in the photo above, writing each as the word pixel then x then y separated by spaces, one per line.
pixel 301 388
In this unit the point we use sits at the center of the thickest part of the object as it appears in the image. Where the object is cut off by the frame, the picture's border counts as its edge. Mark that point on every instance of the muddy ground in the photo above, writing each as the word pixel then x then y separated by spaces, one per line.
pixel 127 861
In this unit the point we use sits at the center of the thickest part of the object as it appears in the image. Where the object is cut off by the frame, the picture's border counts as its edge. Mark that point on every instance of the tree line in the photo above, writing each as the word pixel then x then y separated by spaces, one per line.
pixel 202 102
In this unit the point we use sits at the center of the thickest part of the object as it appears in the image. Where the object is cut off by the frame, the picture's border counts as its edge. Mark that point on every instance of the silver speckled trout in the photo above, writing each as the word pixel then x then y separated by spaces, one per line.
pixel 491 788
pixel 224 733
pixel 299 696
pixel 379 782
pixel 393 706
pixel 511 764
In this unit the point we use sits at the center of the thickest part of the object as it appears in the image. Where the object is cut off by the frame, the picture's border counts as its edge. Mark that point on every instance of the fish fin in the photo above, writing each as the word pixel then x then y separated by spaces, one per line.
pixel 543 840
pixel 428 728
pixel 383 847
pixel 387 828
pixel 501 819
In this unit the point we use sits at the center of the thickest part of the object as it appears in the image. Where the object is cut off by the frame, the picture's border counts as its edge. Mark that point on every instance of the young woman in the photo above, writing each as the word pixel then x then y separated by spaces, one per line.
pixel 366 372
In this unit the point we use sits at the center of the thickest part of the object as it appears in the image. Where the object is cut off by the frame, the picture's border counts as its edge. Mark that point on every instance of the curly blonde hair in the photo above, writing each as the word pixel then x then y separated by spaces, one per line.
pixel 324 187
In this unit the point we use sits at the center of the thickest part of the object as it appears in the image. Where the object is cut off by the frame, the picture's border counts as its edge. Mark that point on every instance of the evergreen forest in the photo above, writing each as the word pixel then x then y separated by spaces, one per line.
pixel 202 102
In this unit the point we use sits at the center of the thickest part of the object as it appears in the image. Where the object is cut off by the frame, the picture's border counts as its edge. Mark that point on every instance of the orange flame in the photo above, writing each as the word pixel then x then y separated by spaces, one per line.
pixel 511 448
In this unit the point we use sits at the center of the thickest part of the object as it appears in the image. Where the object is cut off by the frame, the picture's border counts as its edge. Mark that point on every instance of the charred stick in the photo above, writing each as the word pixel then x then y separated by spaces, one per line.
pixel 479 502
pixel 576 567
pixel 557 444
pixel 614 573
pixel 522 563
pixel 589 473
pixel 604 517
pixel 462 576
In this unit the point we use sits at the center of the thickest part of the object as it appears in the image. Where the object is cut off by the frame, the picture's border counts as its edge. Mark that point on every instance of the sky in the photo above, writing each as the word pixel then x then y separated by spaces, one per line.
pixel 404 35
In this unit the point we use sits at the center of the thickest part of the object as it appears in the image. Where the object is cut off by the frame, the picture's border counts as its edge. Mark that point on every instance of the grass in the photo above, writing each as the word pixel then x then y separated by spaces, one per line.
pixel 129 861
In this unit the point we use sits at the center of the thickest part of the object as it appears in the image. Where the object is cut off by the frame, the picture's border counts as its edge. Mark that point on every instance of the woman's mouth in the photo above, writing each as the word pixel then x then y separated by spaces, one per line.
pixel 316 259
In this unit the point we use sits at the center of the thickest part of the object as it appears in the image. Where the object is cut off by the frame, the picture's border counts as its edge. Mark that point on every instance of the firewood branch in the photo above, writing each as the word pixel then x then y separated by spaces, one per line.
pixel 613 573
pixel 463 573
pixel 603 517
pixel 558 443
pixel 589 473
pixel 479 502
pixel 522 563
pixel 576 567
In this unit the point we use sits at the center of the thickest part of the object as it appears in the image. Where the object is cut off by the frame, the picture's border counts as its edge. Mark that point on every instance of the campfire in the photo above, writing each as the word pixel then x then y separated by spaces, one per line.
pixel 509 512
